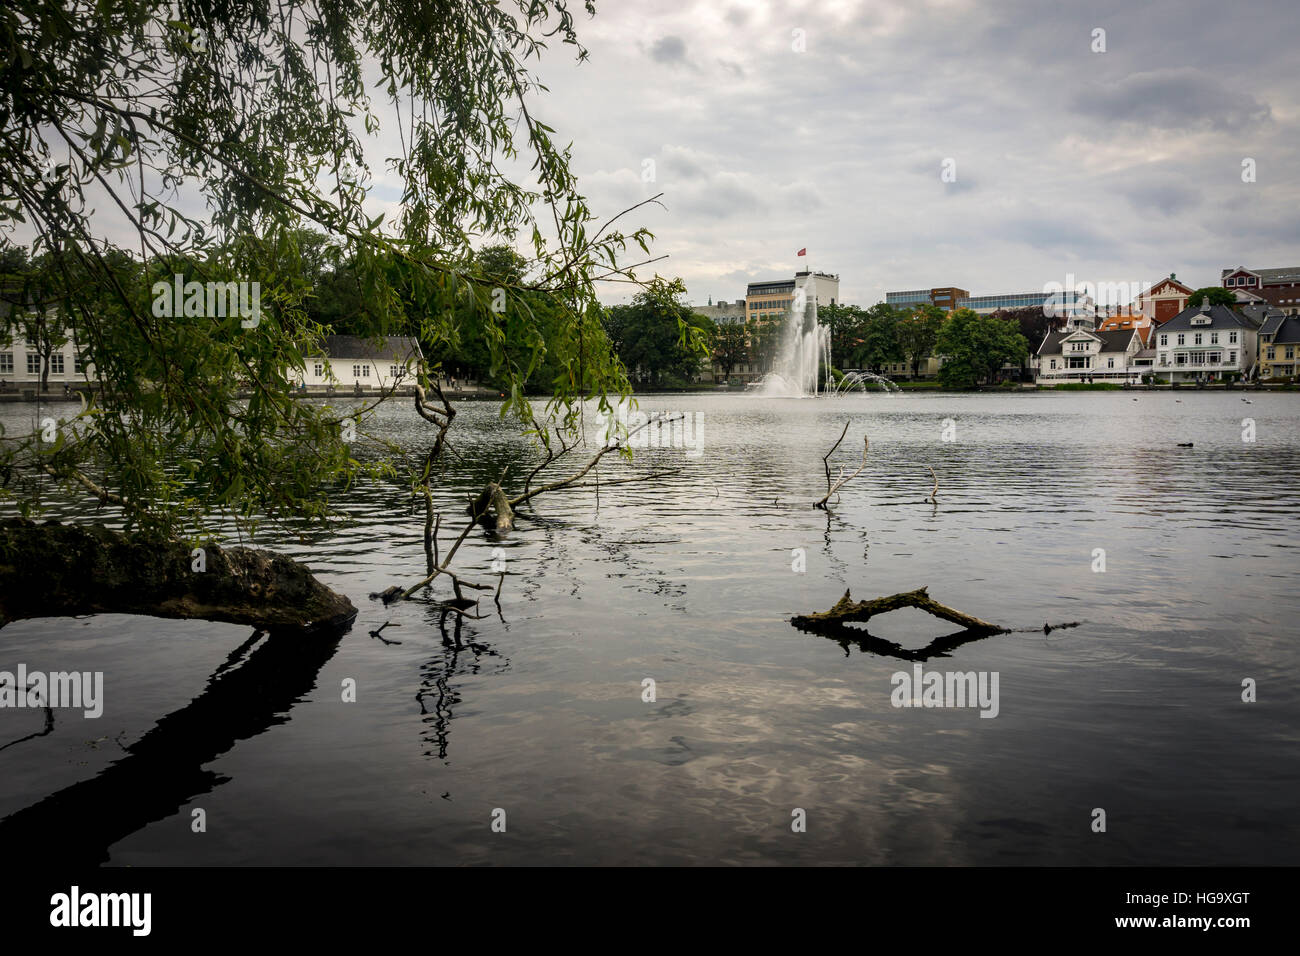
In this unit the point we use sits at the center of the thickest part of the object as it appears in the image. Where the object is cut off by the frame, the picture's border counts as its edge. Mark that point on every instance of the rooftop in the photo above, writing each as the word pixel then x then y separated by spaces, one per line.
pixel 397 348
pixel 1285 329
pixel 1221 317
pixel 1283 274
pixel 1116 340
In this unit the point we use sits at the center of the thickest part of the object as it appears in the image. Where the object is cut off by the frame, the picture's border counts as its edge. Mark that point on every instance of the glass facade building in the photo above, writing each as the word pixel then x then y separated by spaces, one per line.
pixel 903 300
pixel 1065 303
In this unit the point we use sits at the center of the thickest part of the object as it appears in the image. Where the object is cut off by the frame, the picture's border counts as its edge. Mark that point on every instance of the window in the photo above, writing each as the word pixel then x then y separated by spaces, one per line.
pixel 1196 339
pixel 318 369
pixel 1164 340
pixel 1232 358
pixel 1232 338
pixel 78 363
pixel 1053 363
pixel 361 371
pixel 6 363
pixel 1290 351
pixel 1214 338
pixel 1270 353
pixel 1110 363
pixel 1182 339
pixel 394 371
pixel 56 363
pixel 33 364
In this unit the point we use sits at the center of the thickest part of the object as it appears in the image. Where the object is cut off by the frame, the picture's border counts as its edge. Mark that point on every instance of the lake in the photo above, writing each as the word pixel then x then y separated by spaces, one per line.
pixel 690 581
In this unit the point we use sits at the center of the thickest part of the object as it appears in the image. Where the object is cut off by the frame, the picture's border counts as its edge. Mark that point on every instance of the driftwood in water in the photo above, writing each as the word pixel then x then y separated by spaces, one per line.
pixel 492 509
pixel 846 611
pixel 833 486
pixel 51 570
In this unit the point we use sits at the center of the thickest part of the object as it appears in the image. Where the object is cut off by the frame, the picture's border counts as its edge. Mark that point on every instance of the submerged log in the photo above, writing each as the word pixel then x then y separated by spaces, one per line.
pixel 51 570
pixel 846 611
pixel 492 509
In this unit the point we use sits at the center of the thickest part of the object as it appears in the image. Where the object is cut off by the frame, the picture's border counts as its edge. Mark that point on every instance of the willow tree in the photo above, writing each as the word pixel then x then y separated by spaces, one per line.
pixel 208 137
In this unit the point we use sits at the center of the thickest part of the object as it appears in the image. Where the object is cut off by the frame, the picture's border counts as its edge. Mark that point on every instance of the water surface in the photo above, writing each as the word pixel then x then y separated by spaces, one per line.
pixel 689 581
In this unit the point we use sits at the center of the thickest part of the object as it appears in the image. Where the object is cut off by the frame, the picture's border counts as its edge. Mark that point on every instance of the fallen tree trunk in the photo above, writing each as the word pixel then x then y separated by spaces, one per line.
pixel 846 610
pixel 51 570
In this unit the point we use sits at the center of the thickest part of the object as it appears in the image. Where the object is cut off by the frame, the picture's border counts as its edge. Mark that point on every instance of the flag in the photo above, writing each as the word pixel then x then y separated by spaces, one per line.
pixel 802 252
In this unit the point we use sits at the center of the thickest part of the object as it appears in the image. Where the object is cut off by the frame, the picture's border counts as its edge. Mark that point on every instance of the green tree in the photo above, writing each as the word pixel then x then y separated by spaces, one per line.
pixel 730 346
pixel 1033 321
pixel 764 340
pixel 260 112
pixel 878 342
pixel 845 323
pixel 658 338
pixel 918 330
pixel 1217 295
pixel 977 346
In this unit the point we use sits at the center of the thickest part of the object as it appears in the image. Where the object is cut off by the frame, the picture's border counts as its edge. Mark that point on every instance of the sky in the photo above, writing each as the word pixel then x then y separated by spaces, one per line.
pixel 775 126
pixel 1003 146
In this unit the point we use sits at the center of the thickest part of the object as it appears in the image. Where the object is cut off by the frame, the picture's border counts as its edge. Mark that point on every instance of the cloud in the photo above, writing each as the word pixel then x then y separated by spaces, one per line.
pixel 1123 164
pixel 668 49
pixel 1173 98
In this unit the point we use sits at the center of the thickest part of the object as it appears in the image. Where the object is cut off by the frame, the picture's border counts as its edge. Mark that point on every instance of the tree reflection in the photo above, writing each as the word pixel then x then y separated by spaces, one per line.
pixel 253 690
pixel 438 694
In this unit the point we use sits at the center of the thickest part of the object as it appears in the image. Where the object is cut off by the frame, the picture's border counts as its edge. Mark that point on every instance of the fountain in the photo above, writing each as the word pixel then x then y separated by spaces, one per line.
pixel 804 347
pixel 860 380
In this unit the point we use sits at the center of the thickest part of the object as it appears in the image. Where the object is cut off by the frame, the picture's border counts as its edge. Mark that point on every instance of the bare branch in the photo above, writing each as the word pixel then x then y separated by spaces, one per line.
pixel 843 479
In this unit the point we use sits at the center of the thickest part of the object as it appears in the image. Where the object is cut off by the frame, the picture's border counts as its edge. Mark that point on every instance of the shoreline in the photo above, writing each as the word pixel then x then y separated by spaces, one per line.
pixel 30 396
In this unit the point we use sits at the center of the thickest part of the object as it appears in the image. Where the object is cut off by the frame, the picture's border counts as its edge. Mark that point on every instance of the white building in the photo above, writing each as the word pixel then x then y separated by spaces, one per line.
pixel 351 362
pixel 1080 351
pixel 22 361
pixel 820 287
pixel 1206 343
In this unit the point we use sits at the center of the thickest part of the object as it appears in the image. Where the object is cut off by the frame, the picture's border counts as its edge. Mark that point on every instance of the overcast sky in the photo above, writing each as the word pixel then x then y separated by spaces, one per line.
pixel 1116 166
pixel 776 125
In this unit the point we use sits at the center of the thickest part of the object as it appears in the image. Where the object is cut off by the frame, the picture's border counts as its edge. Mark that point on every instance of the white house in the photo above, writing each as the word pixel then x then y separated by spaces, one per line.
pixel 21 359
pixel 1080 352
pixel 351 362
pixel 1206 343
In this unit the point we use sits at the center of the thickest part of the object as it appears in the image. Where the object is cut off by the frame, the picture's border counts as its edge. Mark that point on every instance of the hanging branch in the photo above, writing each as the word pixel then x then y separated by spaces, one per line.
pixel 613 446
pixel 491 507
pixel 551 455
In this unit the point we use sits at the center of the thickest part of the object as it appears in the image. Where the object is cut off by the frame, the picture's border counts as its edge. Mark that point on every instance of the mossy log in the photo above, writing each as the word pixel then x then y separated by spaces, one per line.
pixel 51 570
pixel 846 611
